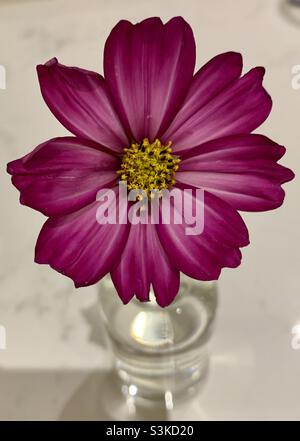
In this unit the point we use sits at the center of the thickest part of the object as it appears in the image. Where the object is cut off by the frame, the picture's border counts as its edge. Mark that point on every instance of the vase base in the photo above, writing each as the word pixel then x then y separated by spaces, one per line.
pixel 170 379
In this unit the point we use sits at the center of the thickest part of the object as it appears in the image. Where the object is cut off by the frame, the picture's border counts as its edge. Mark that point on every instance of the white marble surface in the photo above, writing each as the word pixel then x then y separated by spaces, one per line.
pixel 55 364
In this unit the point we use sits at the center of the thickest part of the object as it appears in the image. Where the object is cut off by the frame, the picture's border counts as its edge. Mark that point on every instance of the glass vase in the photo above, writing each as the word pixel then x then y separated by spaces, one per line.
pixel 160 353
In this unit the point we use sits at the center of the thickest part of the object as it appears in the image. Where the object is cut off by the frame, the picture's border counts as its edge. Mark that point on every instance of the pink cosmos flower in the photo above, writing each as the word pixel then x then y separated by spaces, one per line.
pixel 150 92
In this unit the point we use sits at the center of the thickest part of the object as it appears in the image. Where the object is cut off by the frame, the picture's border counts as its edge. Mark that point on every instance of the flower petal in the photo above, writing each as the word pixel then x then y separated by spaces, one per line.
pixel 148 67
pixel 239 108
pixel 79 247
pixel 207 83
pixel 202 256
pixel 242 170
pixel 142 263
pixel 63 175
pixel 79 99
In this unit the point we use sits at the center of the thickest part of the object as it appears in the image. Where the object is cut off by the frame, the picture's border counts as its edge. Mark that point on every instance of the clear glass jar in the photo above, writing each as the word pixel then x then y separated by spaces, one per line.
pixel 160 352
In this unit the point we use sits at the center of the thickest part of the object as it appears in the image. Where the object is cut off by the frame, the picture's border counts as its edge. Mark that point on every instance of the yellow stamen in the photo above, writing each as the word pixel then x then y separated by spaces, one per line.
pixel 148 166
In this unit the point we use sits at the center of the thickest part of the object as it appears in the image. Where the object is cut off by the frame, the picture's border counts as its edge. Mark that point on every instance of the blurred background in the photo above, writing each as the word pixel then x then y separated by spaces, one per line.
pixel 54 363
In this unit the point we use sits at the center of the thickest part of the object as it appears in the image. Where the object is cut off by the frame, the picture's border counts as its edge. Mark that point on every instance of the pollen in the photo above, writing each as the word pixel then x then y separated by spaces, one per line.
pixel 149 166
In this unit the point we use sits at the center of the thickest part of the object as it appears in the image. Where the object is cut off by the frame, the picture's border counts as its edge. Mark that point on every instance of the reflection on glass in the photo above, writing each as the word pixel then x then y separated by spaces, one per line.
pixel 160 353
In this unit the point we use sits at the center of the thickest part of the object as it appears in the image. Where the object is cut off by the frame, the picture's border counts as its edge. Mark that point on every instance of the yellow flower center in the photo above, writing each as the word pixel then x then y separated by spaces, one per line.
pixel 148 166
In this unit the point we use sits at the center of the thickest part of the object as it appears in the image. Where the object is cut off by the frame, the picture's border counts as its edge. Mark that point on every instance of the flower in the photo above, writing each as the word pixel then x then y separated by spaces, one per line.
pixel 150 102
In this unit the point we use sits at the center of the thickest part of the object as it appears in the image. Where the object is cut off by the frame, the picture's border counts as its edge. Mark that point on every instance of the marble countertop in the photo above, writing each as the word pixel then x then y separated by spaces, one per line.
pixel 56 364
